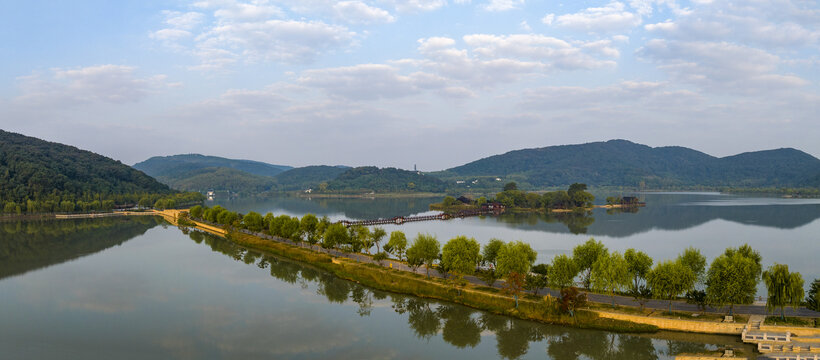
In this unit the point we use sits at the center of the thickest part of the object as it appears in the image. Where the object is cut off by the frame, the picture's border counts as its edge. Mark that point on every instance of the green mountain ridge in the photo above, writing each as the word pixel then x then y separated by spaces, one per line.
pixel 35 169
pixel 624 163
pixel 386 180
pixel 176 166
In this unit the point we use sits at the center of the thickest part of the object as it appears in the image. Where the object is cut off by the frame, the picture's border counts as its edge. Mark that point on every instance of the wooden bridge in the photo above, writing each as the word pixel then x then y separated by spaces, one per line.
pixel 398 220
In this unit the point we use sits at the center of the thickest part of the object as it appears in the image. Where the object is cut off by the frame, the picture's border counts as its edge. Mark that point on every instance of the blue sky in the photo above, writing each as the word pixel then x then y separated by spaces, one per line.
pixel 394 83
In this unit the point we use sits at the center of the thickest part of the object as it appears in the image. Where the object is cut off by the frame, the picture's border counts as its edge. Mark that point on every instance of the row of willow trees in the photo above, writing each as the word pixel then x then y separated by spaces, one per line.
pixel 457 325
pixel 731 278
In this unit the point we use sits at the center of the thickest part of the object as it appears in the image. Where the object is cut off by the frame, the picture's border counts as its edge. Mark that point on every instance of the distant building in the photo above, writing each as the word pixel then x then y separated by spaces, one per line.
pixel 460 181
pixel 308 191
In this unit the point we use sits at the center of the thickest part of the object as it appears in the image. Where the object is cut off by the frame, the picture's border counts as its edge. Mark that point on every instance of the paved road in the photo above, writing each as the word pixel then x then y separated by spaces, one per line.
pixel 598 298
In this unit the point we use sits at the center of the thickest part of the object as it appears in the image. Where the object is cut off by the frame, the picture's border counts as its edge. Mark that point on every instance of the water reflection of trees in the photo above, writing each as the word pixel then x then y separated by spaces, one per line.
pixel 576 222
pixel 461 326
pixel 35 244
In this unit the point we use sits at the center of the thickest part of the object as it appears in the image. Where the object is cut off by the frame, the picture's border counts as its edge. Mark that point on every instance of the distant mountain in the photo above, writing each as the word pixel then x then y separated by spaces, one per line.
pixel 385 180
pixel 220 178
pixel 624 163
pixel 308 177
pixel 175 166
pixel 49 173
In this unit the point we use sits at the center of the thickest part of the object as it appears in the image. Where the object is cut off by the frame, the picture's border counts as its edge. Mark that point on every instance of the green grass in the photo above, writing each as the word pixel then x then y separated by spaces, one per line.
pixel 791 321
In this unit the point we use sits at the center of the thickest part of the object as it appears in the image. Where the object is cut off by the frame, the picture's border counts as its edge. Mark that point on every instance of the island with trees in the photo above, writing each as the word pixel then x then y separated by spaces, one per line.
pixel 575 199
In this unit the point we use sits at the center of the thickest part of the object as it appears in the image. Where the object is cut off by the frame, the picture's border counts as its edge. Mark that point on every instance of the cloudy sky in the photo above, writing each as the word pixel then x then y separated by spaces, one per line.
pixel 394 83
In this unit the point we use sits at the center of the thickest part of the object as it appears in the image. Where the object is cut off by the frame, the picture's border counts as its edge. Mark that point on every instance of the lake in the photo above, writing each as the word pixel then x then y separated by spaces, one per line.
pixel 785 231
pixel 134 288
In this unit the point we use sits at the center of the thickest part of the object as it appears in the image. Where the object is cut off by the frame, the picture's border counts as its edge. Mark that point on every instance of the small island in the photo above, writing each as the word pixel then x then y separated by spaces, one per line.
pixel 575 199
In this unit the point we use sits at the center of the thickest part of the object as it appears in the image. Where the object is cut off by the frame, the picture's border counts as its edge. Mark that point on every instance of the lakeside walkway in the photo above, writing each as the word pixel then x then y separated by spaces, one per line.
pixel 620 300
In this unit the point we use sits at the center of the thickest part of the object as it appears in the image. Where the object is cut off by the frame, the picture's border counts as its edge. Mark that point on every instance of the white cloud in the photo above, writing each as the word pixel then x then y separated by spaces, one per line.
pixel 550 51
pixel 286 41
pixel 611 17
pixel 232 10
pixel 503 5
pixel 548 19
pixel 357 12
pixel 93 84
pixel 362 82
pixel 721 66
pixel 171 35
pixel 414 6
pixel 255 31
pixel 525 26
pixel 180 20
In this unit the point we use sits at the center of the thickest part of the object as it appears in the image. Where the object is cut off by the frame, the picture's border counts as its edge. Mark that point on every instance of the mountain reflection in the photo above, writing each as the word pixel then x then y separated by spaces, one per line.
pixel 463 327
pixel 31 245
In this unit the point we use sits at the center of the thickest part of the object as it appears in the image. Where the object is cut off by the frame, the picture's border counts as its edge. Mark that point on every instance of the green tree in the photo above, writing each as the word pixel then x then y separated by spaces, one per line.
pixel 335 236
pixel 785 288
pixel 460 255
pixel 587 254
pixel 309 226
pixel 813 300
pixel 610 273
pixel 196 212
pixel 252 221
pixel 449 201
pixel 670 279
pixel 564 271
pixel 145 202
pixel 638 265
pixel 732 278
pixel 695 261
pixel 539 279
pixel 510 186
pixel 425 249
pixel 377 236
pixel 517 257
pixel 397 243
pixel 490 252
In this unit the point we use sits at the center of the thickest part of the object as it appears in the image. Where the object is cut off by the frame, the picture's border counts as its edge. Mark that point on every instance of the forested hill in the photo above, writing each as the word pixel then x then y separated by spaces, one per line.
pixel 385 180
pixel 42 171
pixel 624 163
pixel 308 177
pixel 176 166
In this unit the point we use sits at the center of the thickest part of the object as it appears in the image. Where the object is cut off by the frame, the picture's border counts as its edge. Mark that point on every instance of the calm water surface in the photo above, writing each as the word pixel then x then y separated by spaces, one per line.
pixel 136 288
pixel 785 231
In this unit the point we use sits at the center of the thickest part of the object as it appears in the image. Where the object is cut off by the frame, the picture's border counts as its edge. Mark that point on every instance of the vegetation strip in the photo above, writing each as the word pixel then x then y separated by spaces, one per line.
pixel 731 279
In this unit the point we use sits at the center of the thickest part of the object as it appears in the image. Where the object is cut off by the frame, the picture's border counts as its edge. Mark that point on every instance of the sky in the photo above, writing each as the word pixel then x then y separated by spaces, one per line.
pixel 432 83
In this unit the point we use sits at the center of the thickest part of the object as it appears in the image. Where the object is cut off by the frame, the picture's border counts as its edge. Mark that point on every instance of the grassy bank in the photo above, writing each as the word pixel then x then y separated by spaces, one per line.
pixel 385 279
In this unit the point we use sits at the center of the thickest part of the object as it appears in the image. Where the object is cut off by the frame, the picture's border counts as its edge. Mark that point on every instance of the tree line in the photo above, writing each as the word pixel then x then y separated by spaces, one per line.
pixel 730 279
pixel 575 197
pixel 86 202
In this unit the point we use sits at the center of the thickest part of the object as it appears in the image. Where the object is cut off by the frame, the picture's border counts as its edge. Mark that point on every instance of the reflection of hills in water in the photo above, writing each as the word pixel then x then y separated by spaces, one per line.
pixel 31 245
pixel 670 211
pixel 463 327
pixel 351 208
pixel 671 217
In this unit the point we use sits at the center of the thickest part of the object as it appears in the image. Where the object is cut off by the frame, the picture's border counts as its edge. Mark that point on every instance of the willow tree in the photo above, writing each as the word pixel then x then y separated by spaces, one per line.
pixel 669 279
pixel 785 288
pixel 610 273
